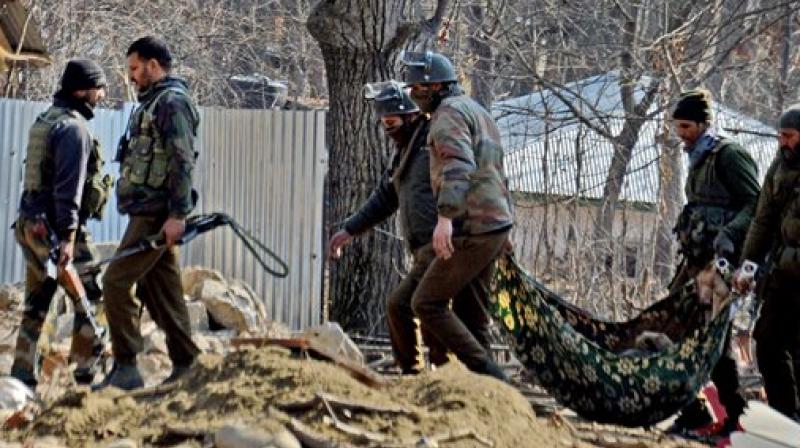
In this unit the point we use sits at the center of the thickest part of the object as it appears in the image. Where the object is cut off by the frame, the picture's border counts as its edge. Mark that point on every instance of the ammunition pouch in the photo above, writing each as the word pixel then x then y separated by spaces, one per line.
pixel 696 229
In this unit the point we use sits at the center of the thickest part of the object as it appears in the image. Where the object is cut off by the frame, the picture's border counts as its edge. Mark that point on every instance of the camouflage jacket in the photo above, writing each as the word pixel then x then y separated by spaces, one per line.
pixel 776 223
pixel 406 188
pixel 467 167
pixel 157 155
pixel 721 193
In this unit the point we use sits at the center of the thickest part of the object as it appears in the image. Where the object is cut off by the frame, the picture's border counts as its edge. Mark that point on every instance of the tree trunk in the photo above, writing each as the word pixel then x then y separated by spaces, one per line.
pixel 670 200
pixel 360 41
pixel 623 151
pixel 786 59
pixel 480 78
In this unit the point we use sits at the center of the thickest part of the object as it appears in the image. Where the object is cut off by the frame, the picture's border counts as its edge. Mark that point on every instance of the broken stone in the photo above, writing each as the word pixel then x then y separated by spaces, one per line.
pixel 198 316
pixel 154 367
pixel 44 442
pixel 226 307
pixel 6 357
pixel 64 325
pixel 243 289
pixel 123 443
pixel 193 277
pixel 10 297
pixel 239 436
pixel 10 445
pixel 209 344
pixel 14 394
pixel 330 339
pixel 275 329
pixel 154 339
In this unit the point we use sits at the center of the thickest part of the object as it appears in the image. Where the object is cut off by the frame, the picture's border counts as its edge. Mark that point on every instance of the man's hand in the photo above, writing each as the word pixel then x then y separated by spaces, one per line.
pixel 508 248
pixel 337 242
pixel 744 277
pixel 173 229
pixel 66 251
pixel 443 238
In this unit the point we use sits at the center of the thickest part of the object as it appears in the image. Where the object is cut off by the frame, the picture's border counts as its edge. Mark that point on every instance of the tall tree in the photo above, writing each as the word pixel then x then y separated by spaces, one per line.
pixel 360 42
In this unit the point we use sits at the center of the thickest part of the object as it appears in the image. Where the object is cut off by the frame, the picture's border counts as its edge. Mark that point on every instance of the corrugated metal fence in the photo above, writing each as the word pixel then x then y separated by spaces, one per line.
pixel 264 168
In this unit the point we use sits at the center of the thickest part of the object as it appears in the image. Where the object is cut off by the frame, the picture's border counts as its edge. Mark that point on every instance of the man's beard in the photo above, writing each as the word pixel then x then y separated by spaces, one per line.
pixel 401 135
pixel 145 81
pixel 789 154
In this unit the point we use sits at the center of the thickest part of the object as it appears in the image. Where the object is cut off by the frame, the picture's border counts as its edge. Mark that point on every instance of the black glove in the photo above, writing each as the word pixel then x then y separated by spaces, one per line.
pixel 723 246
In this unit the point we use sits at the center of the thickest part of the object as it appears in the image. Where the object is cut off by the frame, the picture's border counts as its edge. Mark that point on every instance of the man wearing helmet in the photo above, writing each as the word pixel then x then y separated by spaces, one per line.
pixel 473 204
pixel 406 189
pixel 773 243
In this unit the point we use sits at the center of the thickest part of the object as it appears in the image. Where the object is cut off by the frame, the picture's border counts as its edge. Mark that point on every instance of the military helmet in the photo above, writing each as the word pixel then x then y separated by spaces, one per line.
pixel 427 68
pixel 390 98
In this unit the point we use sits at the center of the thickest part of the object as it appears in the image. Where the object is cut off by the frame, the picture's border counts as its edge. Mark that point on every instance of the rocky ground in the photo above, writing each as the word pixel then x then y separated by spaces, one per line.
pixel 242 396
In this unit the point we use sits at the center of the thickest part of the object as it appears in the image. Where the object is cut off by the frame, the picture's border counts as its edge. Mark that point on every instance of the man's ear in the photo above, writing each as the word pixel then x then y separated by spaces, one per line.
pixel 153 66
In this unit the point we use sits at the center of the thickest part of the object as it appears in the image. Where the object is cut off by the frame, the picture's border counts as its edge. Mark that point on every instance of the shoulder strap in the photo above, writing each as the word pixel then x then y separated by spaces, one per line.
pixel 724 143
pixel 151 107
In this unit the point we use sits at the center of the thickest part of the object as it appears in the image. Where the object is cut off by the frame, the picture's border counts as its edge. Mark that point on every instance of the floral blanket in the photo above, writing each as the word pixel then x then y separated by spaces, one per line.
pixel 591 366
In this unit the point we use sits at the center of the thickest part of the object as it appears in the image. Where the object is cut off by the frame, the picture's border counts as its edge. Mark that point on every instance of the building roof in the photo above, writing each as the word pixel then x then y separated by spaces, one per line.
pixel 546 144
pixel 13 30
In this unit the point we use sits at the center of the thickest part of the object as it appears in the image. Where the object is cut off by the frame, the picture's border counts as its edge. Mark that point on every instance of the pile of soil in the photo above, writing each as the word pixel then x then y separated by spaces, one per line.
pixel 268 388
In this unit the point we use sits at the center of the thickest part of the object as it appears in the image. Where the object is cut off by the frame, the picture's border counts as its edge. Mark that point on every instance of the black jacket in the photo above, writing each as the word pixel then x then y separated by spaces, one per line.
pixel 60 198
pixel 405 188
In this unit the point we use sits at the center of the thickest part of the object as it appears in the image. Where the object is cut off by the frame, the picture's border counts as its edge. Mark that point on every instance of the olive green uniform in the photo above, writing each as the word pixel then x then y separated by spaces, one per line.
pixel 721 191
pixel 157 160
pixel 773 242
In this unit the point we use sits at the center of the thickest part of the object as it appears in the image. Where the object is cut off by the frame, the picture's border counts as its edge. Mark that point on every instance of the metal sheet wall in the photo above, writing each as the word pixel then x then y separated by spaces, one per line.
pixel 264 168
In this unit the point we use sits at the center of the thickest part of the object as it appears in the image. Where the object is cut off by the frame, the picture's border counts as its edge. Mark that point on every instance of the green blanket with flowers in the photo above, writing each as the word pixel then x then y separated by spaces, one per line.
pixel 591 365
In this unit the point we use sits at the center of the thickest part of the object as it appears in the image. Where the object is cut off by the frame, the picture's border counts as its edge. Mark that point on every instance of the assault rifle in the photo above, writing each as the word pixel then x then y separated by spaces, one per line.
pixel 69 278
pixel 197 225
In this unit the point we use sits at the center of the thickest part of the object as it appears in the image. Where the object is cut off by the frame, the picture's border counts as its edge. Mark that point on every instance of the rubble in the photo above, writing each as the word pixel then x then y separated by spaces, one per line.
pixel 240 396
pixel 232 304
pixel 238 435
pixel 11 297
pixel 192 278
pixel 14 394
pixel 257 388
pixel 330 339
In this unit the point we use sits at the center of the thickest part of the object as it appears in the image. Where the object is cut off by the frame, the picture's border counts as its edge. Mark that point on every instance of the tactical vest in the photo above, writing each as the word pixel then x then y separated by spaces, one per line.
pixel 709 207
pixel 145 160
pixel 703 184
pixel 39 163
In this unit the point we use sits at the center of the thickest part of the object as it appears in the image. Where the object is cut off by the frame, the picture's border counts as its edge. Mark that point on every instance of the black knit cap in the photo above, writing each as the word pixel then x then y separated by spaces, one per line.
pixel 694 105
pixel 790 119
pixel 82 74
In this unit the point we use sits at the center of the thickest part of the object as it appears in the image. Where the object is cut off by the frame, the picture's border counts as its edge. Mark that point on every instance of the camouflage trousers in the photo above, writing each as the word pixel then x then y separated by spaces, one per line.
pixel 84 346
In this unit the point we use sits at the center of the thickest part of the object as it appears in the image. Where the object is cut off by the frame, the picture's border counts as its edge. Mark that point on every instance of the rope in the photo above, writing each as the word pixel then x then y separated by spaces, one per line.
pixel 249 241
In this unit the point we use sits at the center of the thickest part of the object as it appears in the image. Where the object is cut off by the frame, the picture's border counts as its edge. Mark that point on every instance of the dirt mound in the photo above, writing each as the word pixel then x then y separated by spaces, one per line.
pixel 266 388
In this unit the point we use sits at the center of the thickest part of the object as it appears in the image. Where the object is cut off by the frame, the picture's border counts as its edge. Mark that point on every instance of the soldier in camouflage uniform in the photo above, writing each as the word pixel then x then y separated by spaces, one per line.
pixel 773 242
pixel 63 187
pixel 157 158
pixel 406 189
pixel 473 204
pixel 721 192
